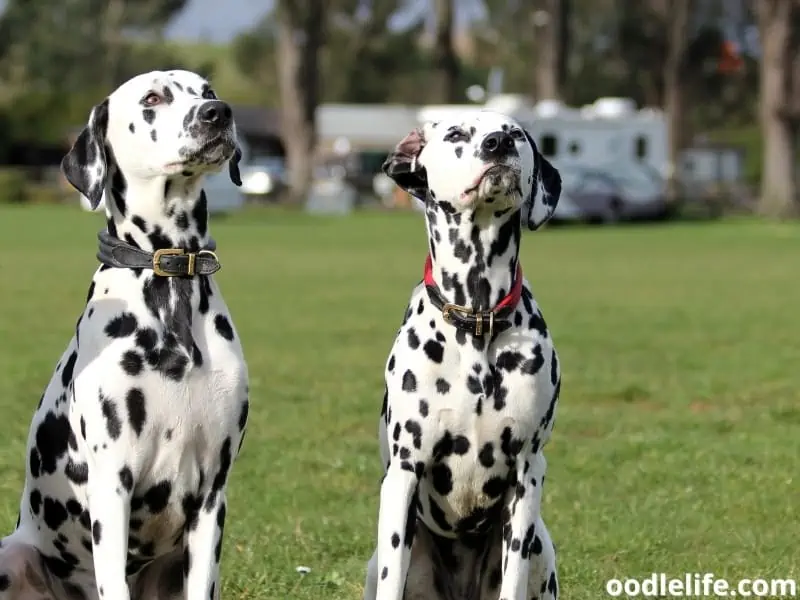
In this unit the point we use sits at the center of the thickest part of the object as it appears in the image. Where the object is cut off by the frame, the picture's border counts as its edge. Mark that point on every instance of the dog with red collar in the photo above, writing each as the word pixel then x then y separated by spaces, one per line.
pixel 472 380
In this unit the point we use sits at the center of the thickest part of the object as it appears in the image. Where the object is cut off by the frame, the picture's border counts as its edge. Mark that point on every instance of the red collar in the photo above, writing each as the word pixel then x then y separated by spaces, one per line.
pixel 509 301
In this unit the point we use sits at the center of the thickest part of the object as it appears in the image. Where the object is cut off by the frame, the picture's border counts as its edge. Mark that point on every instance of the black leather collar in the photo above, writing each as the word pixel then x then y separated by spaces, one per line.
pixel 169 262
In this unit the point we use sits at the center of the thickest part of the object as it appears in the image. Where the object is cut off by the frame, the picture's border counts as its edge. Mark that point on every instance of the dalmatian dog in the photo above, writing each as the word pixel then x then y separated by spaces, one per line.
pixel 132 444
pixel 473 378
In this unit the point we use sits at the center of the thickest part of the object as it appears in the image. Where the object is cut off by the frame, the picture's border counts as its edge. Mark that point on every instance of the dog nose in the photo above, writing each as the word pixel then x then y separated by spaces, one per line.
pixel 215 112
pixel 498 145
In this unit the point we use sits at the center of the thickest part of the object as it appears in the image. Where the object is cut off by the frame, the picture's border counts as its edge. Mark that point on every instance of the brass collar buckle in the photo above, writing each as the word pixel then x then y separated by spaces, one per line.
pixel 448 316
pixel 168 252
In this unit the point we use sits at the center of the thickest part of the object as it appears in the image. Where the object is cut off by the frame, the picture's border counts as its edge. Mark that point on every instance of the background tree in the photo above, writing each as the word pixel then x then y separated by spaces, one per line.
pixel 58 58
pixel 367 61
pixel 445 59
pixel 300 30
pixel 551 22
pixel 779 31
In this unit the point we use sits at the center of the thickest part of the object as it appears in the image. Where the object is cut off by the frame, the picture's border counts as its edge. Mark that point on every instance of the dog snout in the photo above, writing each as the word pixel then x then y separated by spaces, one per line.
pixel 498 145
pixel 215 113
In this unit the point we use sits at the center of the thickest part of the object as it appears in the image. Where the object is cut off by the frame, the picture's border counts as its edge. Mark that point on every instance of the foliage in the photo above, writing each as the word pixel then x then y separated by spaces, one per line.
pixel 13 182
pixel 676 433
pixel 58 58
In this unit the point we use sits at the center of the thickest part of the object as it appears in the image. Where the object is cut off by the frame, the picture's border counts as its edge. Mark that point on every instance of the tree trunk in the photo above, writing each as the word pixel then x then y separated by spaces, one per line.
pixel 675 67
pixel 444 54
pixel 778 123
pixel 551 22
pixel 300 37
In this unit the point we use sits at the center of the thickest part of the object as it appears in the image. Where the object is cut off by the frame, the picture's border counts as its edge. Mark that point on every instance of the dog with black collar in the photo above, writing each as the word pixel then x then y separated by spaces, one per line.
pixel 134 438
pixel 473 378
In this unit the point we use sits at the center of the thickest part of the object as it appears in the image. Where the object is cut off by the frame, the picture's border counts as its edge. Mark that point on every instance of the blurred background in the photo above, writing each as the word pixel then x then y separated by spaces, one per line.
pixel 651 108
pixel 676 437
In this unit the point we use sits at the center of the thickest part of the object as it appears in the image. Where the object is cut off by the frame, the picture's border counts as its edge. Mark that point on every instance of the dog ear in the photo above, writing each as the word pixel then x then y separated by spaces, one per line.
pixel 233 167
pixel 86 165
pixel 545 191
pixel 404 168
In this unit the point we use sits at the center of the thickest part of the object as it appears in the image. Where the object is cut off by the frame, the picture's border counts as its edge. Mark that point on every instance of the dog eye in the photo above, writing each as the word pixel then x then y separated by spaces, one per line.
pixel 517 134
pixel 209 94
pixel 151 99
pixel 456 136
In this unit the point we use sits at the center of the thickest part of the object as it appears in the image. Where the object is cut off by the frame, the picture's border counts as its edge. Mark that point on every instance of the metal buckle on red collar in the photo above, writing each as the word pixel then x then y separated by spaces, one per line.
pixel 447 315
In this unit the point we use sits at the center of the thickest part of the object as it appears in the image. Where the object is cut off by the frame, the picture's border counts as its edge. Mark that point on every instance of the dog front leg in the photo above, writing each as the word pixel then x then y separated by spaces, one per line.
pixel 202 549
pixel 397 519
pixel 519 527
pixel 110 508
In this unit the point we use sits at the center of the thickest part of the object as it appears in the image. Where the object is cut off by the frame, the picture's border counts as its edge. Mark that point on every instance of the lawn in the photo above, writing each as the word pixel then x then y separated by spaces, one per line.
pixel 676 444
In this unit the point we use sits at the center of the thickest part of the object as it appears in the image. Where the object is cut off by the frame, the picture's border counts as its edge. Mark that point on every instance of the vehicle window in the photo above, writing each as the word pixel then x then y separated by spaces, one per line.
pixel 641 147
pixel 548 145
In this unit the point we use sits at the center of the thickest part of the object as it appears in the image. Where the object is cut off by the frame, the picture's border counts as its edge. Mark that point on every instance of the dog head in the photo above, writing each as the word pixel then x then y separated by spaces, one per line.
pixel 483 160
pixel 155 124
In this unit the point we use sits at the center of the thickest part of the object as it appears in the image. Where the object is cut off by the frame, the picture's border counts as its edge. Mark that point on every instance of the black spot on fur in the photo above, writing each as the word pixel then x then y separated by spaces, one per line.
pixel 131 363
pixel 137 414
pixel 413 339
pixel 409 381
pixel 442 479
pixel 486 455
pixel 415 430
pixel 122 325
pixel 126 478
pixel 113 423
pixel 52 440
pixel 69 367
pixel 423 408
pixel 434 351
pixel 411 521
pixel 200 214
pixel 221 477
pixel 149 115
pixel 97 532
pixel 35 501
pixel 157 497
pixel 54 513
pixel 78 473
pixel 182 221
pixel 223 327
pixel 140 223
pixel 495 486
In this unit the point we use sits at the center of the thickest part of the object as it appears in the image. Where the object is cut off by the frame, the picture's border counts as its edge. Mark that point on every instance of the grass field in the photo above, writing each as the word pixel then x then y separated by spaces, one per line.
pixel 676 444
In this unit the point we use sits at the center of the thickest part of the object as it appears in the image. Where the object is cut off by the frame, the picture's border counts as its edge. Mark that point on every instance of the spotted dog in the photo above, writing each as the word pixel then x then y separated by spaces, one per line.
pixel 473 378
pixel 132 443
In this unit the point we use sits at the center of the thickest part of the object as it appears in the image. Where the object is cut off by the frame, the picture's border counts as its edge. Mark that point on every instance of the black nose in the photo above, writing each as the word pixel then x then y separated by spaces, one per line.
pixel 498 145
pixel 215 112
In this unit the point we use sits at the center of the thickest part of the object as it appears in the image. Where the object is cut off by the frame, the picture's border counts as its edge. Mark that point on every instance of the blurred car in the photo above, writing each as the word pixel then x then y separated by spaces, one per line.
pixel 263 177
pixel 610 194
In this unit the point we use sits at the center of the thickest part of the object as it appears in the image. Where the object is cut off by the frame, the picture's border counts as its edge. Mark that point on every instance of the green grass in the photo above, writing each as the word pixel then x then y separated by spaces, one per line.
pixel 676 444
